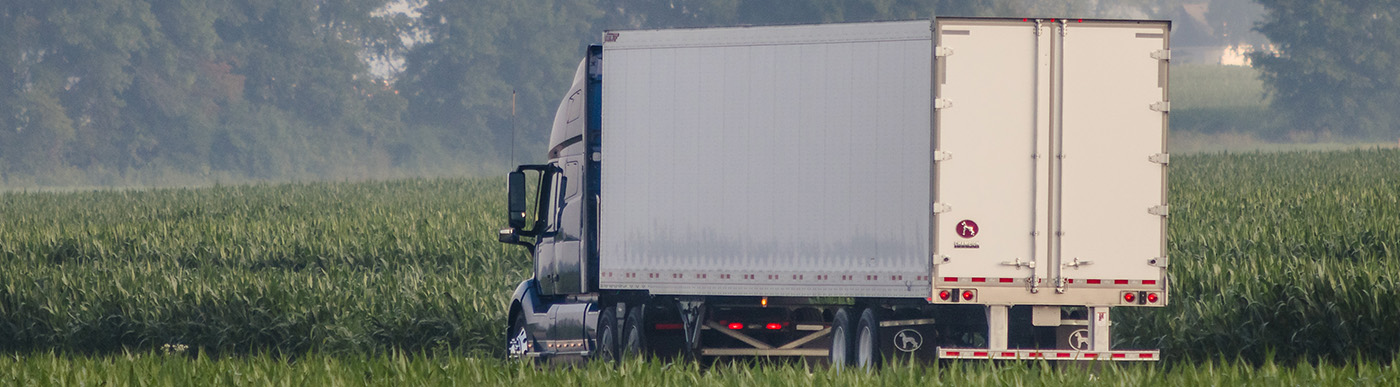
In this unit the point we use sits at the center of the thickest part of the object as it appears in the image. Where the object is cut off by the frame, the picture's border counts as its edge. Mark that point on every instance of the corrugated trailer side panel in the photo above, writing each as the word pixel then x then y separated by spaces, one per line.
pixel 773 161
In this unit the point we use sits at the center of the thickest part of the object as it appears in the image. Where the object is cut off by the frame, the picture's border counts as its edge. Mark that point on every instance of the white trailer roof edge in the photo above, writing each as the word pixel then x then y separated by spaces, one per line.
pixel 796 34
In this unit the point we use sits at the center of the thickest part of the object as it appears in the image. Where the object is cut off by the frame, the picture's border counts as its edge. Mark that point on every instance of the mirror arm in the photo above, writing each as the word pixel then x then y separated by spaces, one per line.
pixel 512 236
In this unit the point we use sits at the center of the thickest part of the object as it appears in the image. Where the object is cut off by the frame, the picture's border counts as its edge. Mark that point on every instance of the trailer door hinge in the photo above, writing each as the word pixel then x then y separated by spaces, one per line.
pixel 1160 158
pixel 942 156
pixel 1160 106
pixel 1162 55
pixel 1158 210
pixel 942 103
pixel 939 208
pixel 942 51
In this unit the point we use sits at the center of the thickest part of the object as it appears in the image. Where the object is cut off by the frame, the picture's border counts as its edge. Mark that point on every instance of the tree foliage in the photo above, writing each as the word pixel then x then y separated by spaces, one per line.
pixel 129 91
pixel 1334 72
pixel 245 88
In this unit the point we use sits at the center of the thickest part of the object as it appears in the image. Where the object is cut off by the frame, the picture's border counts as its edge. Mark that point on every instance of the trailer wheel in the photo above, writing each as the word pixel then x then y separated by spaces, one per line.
pixel 841 327
pixel 607 335
pixel 517 339
pixel 634 333
pixel 867 340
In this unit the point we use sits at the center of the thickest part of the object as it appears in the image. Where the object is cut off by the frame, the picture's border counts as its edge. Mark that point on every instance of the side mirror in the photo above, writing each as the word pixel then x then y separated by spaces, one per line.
pixel 515 199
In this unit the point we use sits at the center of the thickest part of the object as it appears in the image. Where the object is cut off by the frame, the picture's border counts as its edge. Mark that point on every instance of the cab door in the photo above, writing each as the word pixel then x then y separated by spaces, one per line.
pixel 559 253
pixel 546 248
pixel 568 241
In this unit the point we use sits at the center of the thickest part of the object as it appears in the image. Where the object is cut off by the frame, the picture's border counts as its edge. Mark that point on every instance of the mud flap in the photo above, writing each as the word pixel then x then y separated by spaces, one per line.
pixel 908 340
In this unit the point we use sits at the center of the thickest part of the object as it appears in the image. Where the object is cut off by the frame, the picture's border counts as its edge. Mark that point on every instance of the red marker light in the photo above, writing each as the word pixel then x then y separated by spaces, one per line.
pixel 1129 297
pixel 1152 298
pixel 943 295
pixel 736 326
pixel 773 326
pixel 967 295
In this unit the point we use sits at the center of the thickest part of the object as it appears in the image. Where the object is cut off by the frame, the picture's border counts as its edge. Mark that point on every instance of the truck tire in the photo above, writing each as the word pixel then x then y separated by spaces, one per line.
pixel 607 335
pixel 841 328
pixel 634 333
pixel 867 341
pixel 517 338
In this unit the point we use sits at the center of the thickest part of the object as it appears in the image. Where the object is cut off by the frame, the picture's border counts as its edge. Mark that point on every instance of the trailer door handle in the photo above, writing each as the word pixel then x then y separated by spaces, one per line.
pixel 1076 263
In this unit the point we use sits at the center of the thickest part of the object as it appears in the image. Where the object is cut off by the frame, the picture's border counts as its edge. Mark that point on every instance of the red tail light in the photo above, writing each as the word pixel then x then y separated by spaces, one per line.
pixel 736 326
pixel 943 295
pixel 1129 297
pixel 967 295
pixel 773 326
pixel 1152 298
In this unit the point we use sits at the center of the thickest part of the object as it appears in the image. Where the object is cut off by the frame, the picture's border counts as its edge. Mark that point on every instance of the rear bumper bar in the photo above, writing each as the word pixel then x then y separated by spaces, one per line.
pixel 1046 354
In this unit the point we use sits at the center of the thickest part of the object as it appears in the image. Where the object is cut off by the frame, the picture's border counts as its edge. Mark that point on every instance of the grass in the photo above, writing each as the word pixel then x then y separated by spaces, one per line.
pixel 1219 108
pixel 1186 143
pixel 1226 109
pixel 1215 86
pixel 418 369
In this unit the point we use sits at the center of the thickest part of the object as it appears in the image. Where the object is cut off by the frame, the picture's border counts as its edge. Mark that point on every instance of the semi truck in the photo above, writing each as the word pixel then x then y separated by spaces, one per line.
pixel 949 188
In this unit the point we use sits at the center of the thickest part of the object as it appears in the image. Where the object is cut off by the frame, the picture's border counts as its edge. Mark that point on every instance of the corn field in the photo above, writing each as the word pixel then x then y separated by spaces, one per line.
pixel 1282 257
pixel 291 268
pixel 1297 254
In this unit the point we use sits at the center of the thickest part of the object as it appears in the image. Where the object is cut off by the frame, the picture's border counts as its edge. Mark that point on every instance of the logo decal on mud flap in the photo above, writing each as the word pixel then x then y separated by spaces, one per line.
pixel 908 340
pixel 967 229
pixel 1079 340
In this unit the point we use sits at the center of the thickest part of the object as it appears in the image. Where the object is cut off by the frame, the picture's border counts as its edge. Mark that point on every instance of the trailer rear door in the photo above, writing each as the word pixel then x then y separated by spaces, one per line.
pixel 1114 151
pixel 1050 161
pixel 990 179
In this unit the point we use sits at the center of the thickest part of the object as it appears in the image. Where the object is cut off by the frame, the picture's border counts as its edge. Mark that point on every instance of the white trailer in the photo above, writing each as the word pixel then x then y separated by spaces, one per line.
pixel 852 190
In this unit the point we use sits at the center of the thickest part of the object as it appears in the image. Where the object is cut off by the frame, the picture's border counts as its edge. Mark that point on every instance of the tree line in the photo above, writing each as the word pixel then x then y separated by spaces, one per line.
pixel 98 92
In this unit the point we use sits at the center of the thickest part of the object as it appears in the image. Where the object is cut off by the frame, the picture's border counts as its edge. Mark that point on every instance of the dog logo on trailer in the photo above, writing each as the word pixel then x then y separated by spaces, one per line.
pixel 967 228
pixel 1079 340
